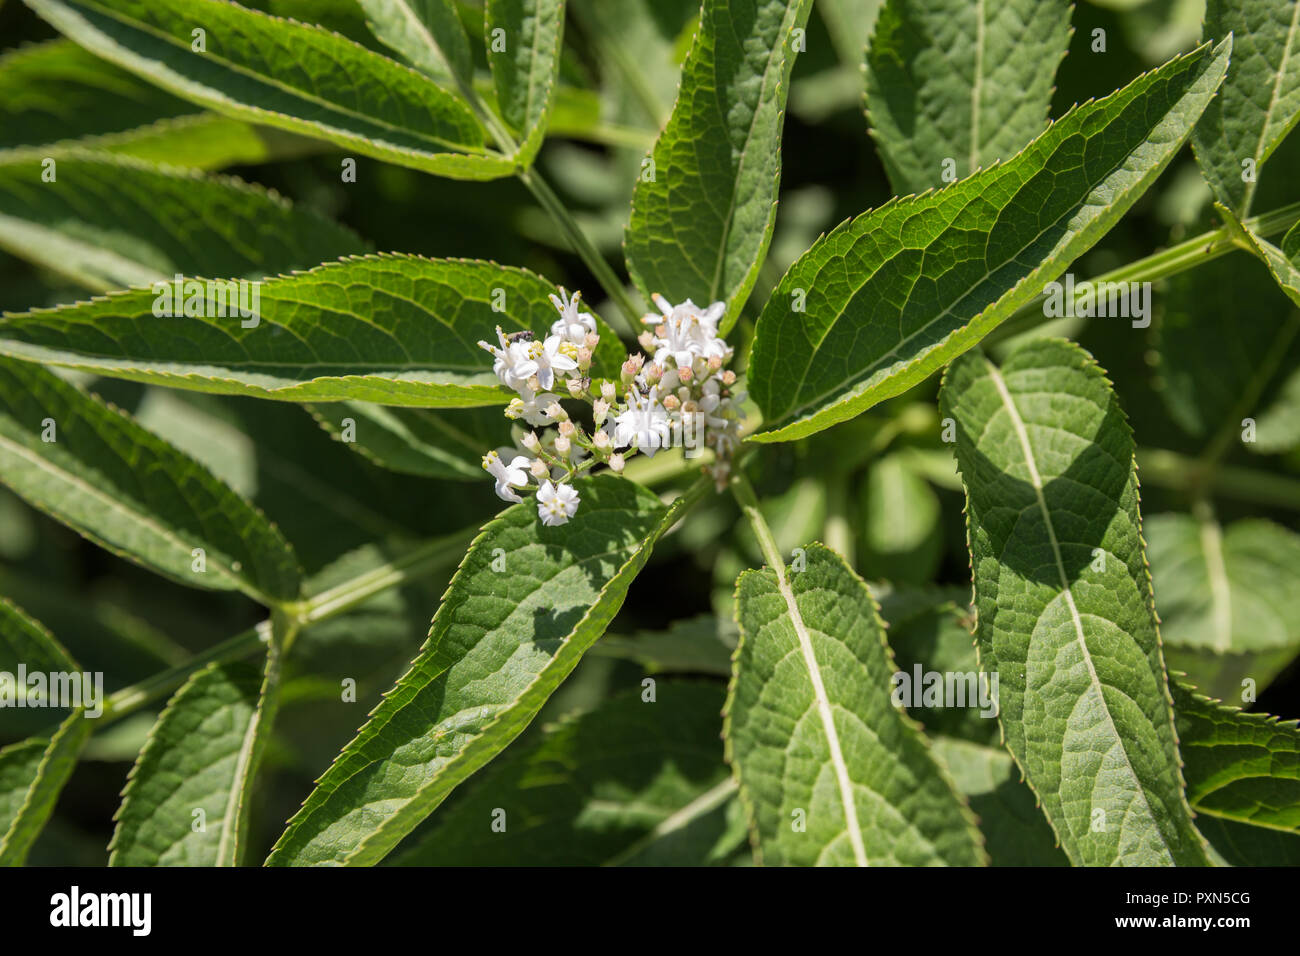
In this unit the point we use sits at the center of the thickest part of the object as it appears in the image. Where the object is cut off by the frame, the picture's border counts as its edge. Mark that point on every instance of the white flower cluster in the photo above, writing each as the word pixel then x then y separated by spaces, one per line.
pixel 681 396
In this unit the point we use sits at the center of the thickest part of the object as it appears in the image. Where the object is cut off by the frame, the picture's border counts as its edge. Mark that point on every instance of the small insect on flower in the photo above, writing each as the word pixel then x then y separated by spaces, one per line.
pixel 556 504
pixel 508 476
pixel 514 363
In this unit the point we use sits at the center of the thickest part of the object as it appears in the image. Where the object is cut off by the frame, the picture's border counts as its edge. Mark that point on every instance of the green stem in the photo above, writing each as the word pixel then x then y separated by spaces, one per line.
pixel 748 501
pixel 1160 265
pixel 583 246
pixel 1170 470
pixel 320 607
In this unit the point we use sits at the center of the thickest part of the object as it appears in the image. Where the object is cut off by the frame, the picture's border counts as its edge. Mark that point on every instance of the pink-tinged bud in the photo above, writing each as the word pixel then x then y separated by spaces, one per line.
pixel 575 387
pixel 728 377
pixel 567 429
pixel 715 362
pixel 653 372
pixel 539 469
pixel 600 410
pixel 600 440
pixel 584 358
pixel 647 341
pixel 632 367
pixel 616 462
pixel 562 444
pixel 671 403
pixel 607 391
pixel 591 341
pixel 557 413
pixel 685 373
pixel 531 441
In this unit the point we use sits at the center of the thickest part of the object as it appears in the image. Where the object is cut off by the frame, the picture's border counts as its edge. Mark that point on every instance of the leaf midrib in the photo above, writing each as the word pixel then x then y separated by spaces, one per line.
pixel 1022 436
pixel 827 717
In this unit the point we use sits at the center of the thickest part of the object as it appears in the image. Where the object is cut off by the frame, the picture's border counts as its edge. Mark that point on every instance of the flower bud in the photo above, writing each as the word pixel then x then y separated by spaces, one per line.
pixel 616 462
pixel 685 373
pixel 591 340
pixel 539 469
pixel 584 358
pixel 567 429
pixel 600 410
pixel 531 441
pixel 575 387
pixel 728 377
pixel 601 440
pixel 557 413
pixel 715 362
pixel 672 403
pixel 607 391
pixel 562 444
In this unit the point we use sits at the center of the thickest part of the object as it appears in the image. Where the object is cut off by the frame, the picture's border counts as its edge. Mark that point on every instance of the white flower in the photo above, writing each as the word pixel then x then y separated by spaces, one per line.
pixel 507 475
pixel 556 504
pixel 685 332
pixel 514 363
pixel 644 424
pixel 571 326
pixel 553 355
pixel 531 406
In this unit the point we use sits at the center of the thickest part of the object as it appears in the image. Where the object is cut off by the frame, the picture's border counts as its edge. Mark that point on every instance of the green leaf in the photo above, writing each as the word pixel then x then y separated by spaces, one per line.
pixel 1260 99
pixel 426 32
pixel 500 644
pixel 901 539
pixel 690 645
pixel 32 774
pixel 190 763
pixel 108 223
pixel 525 72
pixel 93 468
pixel 400 330
pixel 56 98
pixel 701 227
pixel 1284 267
pixel 1215 370
pixel 930 629
pixel 1015 831
pixel 1063 598
pixel 1240 844
pixel 1240 766
pixel 890 297
pixel 286 74
pixel 418 441
pixel 954 86
pixel 1225 598
pixel 581 796
pixel 34 771
pixel 814 738
pixel 850 24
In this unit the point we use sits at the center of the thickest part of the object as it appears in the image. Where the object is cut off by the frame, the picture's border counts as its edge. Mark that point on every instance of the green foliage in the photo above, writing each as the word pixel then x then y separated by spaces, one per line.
pixel 937 80
pixel 927 277
pixel 242 478
pixel 1064 602
pixel 832 774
